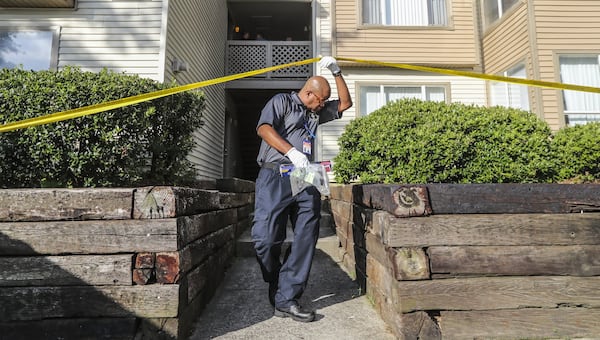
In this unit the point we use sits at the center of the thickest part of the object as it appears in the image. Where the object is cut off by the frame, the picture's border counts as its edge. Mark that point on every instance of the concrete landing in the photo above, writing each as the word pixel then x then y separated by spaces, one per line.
pixel 240 308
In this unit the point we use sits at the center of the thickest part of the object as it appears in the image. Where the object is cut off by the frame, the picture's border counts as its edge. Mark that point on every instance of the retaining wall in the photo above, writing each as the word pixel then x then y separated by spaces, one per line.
pixel 493 261
pixel 118 263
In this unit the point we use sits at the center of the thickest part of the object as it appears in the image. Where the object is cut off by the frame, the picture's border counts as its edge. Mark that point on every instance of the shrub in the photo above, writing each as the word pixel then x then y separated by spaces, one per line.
pixel 414 141
pixel 578 151
pixel 142 143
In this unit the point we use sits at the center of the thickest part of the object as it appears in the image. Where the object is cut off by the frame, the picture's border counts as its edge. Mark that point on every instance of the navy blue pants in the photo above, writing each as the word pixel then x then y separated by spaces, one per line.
pixel 274 204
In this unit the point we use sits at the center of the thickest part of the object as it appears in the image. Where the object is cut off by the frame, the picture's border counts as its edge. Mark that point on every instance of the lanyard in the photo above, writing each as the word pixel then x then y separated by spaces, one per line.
pixel 310 133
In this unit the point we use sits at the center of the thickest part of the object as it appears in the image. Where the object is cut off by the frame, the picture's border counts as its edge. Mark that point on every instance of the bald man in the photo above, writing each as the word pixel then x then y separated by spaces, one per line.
pixel 287 126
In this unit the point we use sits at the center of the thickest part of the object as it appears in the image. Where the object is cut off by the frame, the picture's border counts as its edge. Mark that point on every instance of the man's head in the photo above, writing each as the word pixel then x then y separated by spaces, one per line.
pixel 315 93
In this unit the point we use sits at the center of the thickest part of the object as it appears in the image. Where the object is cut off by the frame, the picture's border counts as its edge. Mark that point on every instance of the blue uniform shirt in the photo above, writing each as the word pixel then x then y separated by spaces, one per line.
pixel 293 122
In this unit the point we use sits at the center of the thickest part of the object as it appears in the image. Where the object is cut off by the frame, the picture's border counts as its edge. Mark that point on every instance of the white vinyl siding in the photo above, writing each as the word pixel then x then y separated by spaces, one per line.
pixel 581 107
pixel 196 35
pixel 508 94
pixel 122 36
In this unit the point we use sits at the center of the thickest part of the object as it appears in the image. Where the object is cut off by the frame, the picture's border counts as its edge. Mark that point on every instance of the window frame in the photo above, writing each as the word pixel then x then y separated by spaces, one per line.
pixel 502 13
pixel 363 25
pixel 55 30
pixel 509 73
pixel 559 78
pixel 382 85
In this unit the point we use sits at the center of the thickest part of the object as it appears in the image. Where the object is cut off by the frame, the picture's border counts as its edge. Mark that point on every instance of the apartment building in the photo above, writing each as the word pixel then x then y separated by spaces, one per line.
pixel 190 41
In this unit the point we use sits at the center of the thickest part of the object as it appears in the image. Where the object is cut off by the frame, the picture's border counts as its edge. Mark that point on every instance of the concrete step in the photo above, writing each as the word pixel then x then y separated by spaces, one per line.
pixel 328 241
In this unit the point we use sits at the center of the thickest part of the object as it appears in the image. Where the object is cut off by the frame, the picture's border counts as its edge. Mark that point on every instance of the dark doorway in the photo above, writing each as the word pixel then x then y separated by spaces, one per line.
pixel 249 103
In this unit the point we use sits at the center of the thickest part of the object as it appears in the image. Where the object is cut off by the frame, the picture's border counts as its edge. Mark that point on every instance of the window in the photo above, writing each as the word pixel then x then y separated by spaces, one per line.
pixel 31 49
pixel 495 9
pixel 511 95
pixel 581 107
pixel 404 12
pixel 374 97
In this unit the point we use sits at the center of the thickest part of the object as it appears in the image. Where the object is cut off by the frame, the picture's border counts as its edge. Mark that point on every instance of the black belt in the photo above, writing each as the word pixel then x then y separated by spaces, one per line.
pixel 272 166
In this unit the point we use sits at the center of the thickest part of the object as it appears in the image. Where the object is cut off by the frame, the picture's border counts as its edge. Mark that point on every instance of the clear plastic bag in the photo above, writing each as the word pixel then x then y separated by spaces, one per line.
pixel 312 175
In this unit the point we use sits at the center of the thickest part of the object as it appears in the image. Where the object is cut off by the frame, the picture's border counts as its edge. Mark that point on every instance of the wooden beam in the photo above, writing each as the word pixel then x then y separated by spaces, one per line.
pixel 96 328
pixel 166 202
pixel 93 270
pixel 513 198
pixel 580 260
pixel 36 303
pixel 495 293
pixel 65 204
pixel 87 237
pixel 487 229
pixel 556 323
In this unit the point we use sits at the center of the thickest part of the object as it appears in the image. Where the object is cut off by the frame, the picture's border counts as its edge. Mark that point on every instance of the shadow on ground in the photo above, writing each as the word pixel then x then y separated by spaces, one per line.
pixel 241 310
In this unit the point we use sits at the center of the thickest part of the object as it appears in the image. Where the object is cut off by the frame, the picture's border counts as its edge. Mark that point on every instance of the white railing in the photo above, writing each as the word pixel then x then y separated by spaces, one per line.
pixel 244 56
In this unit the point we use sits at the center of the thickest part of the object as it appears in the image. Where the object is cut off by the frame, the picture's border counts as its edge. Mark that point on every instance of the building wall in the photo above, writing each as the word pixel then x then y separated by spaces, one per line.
pixel 454 45
pixel 562 27
pixel 122 36
pixel 197 34
pixel 442 47
pixel 508 43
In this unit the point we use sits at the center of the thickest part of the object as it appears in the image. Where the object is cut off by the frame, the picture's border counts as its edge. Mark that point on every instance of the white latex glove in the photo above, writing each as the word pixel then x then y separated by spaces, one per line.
pixel 298 158
pixel 331 64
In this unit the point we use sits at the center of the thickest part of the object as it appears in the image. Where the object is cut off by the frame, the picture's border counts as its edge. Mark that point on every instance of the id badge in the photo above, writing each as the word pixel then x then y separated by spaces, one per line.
pixel 306 146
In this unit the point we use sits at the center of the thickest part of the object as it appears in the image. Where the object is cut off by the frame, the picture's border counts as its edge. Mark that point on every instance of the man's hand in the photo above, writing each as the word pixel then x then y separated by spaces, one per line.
pixel 298 158
pixel 331 64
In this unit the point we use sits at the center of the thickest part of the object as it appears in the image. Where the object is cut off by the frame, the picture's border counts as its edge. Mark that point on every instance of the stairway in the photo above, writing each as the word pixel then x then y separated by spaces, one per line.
pixel 328 241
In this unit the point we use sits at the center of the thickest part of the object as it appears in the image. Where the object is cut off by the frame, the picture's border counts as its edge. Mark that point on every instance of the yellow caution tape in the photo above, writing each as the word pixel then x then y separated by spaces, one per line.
pixel 88 110
pixel 522 81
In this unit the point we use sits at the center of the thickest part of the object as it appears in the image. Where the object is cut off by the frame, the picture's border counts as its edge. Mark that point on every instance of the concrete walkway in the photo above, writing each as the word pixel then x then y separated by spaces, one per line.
pixel 241 310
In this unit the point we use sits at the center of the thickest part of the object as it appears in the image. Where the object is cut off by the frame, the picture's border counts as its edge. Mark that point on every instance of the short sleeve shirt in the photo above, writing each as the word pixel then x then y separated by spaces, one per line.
pixel 293 122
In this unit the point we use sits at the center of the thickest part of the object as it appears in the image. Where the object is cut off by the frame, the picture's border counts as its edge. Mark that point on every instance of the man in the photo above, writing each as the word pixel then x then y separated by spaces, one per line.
pixel 287 126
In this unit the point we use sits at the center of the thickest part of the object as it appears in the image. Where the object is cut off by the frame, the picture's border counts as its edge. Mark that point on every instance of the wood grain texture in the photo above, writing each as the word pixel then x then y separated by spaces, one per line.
pixel 487 229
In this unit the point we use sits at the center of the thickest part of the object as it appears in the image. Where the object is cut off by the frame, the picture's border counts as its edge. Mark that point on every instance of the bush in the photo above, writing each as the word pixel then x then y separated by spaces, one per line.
pixel 414 141
pixel 578 151
pixel 146 143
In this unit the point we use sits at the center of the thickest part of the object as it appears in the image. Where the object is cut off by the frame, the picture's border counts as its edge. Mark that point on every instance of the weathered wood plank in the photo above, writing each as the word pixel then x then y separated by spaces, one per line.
pixel 36 303
pixel 559 323
pixel 87 237
pixel 342 217
pixel 66 270
pixel 233 200
pixel 191 228
pixel 380 287
pixel 581 260
pixel 212 268
pixel 70 329
pixel 494 293
pixel 234 185
pixel 142 276
pixel 167 267
pixel 342 192
pixel 409 263
pixel 487 229
pixel 65 204
pixel 196 252
pixel 513 198
pixel 145 260
pixel 399 200
pixel 165 202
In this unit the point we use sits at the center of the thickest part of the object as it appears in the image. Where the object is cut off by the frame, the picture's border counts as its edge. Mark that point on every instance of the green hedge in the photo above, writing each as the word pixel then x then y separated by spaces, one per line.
pixel 578 151
pixel 414 141
pixel 146 143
